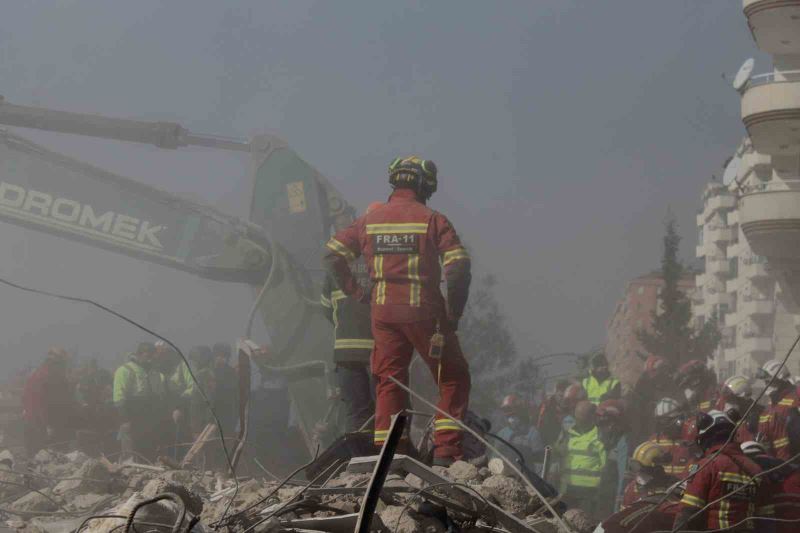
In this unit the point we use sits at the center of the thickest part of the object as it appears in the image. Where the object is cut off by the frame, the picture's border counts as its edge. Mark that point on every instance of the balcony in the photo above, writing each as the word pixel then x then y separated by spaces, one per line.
pixel 757 307
pixel 771 223
pixel 775 25
pixel 719 234
pixel 754 269
pixel 700 250
pixel 720 202
pixel 756 346
pixel 718 267
pixel 771 112
pixel 719 298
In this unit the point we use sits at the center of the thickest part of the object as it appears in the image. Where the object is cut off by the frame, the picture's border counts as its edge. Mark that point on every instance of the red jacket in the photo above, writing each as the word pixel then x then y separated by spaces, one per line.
pixel 772 423
pixel 47 397
pixel 716 477
pixel 682 454
pixel 405 244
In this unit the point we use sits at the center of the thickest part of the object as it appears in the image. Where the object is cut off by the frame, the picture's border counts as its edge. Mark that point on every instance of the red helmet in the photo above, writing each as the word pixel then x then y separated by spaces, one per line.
pixel 510 403
pixel 691 373
pixel 654 364
pixel 575 393
pixel 611 409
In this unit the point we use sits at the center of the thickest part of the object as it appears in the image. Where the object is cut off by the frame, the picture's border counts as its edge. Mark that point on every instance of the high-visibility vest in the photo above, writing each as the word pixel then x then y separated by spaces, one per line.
pixel 585 459
pixel 132 381
pixel 595 390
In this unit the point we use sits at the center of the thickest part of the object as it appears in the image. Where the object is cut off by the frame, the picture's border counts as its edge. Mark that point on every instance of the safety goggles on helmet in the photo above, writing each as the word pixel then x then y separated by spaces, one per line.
pixel 712 423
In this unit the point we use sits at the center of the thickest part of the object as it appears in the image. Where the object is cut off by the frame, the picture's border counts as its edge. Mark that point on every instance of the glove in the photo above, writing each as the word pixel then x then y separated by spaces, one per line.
pixel 362 295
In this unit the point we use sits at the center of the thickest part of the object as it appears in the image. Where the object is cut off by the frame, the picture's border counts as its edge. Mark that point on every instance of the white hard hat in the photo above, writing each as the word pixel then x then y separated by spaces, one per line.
pixel 739 386
pixel 752 447
pixel 774 369
pixel 668 407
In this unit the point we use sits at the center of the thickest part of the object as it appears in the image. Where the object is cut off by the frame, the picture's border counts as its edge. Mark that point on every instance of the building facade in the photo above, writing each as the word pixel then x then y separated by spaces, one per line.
pixel 749 226
pixel 633 312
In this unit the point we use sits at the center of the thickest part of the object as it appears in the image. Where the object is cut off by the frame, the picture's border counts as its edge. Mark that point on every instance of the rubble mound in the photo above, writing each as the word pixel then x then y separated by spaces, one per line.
pixel 55 493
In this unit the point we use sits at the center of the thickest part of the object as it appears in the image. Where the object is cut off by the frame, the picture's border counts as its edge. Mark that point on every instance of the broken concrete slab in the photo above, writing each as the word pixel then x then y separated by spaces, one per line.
pixel 34 502
pixel 404 520
pixel 464 472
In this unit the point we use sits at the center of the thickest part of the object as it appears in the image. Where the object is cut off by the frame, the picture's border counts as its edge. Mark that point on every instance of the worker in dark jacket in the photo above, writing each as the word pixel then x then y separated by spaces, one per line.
pixel 353 344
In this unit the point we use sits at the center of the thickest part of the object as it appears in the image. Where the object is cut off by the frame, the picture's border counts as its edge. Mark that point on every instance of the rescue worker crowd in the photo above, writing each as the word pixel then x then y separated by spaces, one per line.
pixel 703 457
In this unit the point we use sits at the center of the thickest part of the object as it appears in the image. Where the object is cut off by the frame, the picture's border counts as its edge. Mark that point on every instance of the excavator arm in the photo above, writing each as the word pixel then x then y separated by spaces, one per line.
pixel 278 251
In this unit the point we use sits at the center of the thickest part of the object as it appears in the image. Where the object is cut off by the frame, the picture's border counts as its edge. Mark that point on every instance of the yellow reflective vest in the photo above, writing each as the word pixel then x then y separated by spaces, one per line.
pixel 595 390
pixel 585 459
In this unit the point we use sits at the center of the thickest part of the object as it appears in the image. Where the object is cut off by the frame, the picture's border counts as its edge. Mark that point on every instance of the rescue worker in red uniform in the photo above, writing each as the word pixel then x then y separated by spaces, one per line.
pixel 779 425
pixel 405 245
pixel 728 475
pixel 670 421
pixel 647 466
pixel 785 478
pixel 735 399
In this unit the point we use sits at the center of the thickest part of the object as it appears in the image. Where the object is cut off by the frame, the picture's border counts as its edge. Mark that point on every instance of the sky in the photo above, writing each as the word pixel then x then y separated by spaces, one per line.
pixel 564 131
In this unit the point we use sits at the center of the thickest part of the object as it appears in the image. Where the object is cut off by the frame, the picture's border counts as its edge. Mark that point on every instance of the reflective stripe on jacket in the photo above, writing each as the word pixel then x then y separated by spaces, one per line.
pixel 585 459
pixel 596 390
pixel 405 244
pixel 352 327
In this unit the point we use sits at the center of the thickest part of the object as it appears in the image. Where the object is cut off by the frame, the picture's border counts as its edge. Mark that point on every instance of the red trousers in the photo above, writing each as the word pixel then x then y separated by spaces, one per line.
pixel 394 347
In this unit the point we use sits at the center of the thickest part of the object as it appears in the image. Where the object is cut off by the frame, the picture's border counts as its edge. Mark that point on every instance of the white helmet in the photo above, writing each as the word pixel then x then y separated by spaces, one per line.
pixel 738 386
pixel 774 369
pixel 752 447
pixel 667 407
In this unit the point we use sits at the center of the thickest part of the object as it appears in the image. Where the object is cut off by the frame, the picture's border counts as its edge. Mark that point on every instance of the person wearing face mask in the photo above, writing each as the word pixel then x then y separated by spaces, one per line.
pixel 140 396
pixel 735 399
pixel 698 386
pixel 779 425
pixel 600 385
pixel 519 432
pixel 583 460
pixel 669 421
pixel 647 466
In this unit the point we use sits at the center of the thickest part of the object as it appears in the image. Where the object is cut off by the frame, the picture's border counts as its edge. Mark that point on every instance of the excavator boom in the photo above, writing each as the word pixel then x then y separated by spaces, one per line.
pixel 277 251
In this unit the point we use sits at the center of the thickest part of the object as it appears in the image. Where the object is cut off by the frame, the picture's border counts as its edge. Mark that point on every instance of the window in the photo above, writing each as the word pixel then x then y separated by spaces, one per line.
pixel 734 266
pixel 700 236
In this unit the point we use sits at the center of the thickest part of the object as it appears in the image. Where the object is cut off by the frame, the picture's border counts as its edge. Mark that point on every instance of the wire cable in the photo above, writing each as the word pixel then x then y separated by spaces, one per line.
pixel 486 443
pixel 738 424
pixel 132 322
pixel 441 485
pixel 744 486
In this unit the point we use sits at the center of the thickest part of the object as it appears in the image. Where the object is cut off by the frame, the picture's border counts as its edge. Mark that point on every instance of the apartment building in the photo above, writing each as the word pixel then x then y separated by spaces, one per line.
pixel 749 226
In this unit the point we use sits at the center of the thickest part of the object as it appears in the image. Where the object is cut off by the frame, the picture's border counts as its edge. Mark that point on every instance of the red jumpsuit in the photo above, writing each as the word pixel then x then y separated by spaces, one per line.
pixel 681 451
pixel 405 245
pixel 772 424
pixel 726 474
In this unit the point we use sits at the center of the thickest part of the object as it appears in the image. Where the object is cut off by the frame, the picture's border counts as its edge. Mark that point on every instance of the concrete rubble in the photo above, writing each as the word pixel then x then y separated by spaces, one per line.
pixel 55 493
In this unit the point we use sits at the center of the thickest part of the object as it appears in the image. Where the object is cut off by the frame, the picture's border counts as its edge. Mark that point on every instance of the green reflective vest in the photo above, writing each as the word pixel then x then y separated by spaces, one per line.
pixel 596 390
pixel 132 382
pixel 585 459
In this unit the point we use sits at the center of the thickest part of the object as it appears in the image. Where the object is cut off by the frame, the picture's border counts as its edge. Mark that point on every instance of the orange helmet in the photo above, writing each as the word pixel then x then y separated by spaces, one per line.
pixel 575 393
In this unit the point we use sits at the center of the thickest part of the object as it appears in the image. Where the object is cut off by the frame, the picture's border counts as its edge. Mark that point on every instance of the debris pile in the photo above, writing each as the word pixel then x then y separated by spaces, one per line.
pixel 59 493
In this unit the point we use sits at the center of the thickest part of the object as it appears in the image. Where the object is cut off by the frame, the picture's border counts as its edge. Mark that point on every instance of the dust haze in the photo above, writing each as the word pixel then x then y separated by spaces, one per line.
pixel 563 132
